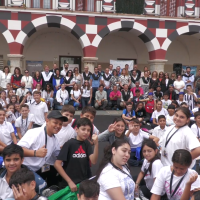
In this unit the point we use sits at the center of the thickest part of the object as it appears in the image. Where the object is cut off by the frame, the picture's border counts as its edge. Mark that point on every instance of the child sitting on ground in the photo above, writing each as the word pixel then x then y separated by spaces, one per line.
pixel 165 101
pixel 136 136
pixel 128 113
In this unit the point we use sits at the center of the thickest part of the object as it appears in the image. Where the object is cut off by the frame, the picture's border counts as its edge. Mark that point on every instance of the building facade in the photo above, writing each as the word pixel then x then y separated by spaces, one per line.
pixel 88 32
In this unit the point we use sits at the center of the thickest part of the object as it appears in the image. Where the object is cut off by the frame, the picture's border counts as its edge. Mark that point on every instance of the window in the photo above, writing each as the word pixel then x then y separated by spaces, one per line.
pixel 36 3
pixel 47 4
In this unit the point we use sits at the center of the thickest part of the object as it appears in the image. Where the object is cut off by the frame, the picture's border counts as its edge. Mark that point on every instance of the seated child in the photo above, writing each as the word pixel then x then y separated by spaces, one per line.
pixel 165 101
pixel 136 137
pixel 88 189
pixel 180 98
pixel 159 131
pixel 73 160
pixel 197 108
pixel 140 112
pixel 23 185
pixel 128 113
pixel 170 116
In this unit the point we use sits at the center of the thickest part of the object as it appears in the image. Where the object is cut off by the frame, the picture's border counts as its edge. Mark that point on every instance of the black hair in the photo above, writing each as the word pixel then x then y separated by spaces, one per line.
pixel 185 111
pixel 140 102
pixel 166 93
pixel 50 87
pixel 188 86
pixel 128 103
pixel 120 119
pixel 150 143
pixel 13 149
pixel 23 175
pixel 1 109
pixel 88 109
pixel 182 157
pixel 176 103
pixel 137 90
pixel 161 117
pixel 71 73
pixel 196 114
pixel 196 195
pixel 171 107
pixel 101 85
pixel 84 122
pixel 183 103
pixel 188 67
pixel 108 154
pixel 89 188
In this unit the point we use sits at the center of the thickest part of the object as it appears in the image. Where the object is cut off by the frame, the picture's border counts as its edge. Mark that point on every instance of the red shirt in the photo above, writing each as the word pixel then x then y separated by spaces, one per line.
pixel 133 90
pixel 112 94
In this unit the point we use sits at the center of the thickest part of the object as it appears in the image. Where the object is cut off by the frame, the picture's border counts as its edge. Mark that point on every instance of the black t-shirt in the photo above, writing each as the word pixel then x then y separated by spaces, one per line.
pixel 75 156
pixel 140 113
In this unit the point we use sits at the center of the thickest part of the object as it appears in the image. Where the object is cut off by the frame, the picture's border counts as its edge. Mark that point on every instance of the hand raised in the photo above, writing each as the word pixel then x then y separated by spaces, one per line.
pixel 95 138
pixel 112 127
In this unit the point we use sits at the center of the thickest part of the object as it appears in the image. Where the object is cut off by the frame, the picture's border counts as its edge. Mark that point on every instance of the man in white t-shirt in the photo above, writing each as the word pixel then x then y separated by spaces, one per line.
pixel 28 80
pixel 65 70
pixel 25 121
pixel 21 92
pixel 136 137
pixel 38 108
pixel 40 145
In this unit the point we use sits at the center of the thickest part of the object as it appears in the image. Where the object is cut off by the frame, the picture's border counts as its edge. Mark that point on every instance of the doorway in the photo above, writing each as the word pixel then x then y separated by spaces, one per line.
pixel 73 61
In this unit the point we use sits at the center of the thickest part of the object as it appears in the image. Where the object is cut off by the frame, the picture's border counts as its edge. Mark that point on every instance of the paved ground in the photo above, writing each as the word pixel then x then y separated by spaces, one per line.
pixel 102 121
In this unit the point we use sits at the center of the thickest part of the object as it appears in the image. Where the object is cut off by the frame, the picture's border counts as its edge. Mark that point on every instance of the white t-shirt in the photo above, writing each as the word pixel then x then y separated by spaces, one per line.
pixel 136 140
pixel 28 81
pixel 24 123
pixel 86 92
pixel 169 120
pixel 112 178
pixel 21 92
pixel 10 118
pixel 156 114
pixel 65 134
pixel 165 104
pixel 149 178
pixel 34 139
pixel 38 110
pixel 5 132
pixel 196 130
pixel 76 93
pixel 162 183
pixel 158 132
pixel 6 191
pixel 180 102
pixel 5 79
pixel 184 138
pixel 61 96
pixel 178 85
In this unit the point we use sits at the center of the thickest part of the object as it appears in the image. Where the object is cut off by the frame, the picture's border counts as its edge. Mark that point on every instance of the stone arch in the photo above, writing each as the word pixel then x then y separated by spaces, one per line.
pixel 52 21
pixel 189 29
pixel 140 30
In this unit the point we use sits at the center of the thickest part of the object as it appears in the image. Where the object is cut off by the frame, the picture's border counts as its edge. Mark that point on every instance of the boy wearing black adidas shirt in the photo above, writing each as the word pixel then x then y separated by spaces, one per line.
pixel 75 156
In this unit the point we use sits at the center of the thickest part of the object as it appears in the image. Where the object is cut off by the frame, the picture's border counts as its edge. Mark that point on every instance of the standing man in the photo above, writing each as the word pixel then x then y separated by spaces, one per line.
pixel 86 74
pixel 64 71
pixel 54 67
pixel 111 69
pixel 95 79
pixel 46 76
pixel 38 108
pixel 41 146
pixel 106 82
pixel 28 80
pixel 188 78
pixel 100 70
pixel 197 82
pixel 119 70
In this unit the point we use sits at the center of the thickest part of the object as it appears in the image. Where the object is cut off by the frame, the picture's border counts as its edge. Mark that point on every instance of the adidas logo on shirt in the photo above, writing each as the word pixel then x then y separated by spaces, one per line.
pixel 80 153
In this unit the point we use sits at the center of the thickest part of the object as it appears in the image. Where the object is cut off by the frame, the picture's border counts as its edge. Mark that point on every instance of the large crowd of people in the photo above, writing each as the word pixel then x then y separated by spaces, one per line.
pixel 42 145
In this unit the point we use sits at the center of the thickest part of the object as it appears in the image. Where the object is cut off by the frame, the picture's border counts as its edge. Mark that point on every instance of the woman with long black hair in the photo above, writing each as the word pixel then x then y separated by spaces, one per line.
pixel 69 81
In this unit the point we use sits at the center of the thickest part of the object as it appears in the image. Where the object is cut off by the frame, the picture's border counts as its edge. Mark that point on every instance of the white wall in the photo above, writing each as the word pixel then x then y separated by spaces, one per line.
pixel 48 43
pixel 122 45
pixel 185 50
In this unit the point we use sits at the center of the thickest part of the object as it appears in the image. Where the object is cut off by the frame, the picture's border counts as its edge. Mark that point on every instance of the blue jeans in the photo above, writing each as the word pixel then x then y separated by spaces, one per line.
pixel 59 107
pixel 94 89
pixel 76 104
pixel 84 101
pixel 30 89
pixel 51 102
pixel 108 91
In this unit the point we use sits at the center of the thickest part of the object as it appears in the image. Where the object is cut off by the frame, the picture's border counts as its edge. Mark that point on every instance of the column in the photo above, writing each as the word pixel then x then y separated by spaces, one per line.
pixel 91 62
pixel 197 8
pixel 180 8
pixel 157 7
pixel 157 65
pixel 15 61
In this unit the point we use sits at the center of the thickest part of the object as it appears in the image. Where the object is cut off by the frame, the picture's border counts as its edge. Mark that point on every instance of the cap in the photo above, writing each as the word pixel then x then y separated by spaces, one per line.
pixel 55 114
pixel 150 93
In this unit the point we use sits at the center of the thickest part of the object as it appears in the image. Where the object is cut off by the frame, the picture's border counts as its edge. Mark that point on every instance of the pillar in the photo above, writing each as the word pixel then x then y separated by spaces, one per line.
pixel 157 65
pixel 157 7
pixel 181 8
pixel 91 62
pixel 16 60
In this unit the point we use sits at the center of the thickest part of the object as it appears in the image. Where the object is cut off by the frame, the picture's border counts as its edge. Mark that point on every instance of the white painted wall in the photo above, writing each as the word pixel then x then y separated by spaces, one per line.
pixel 48 43
pixel 122 45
